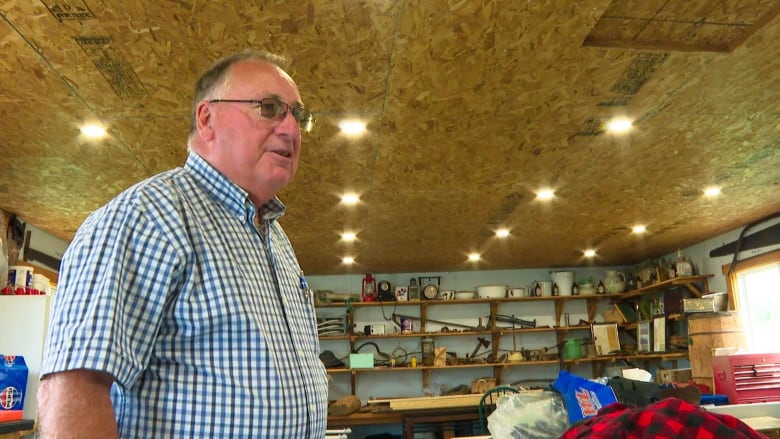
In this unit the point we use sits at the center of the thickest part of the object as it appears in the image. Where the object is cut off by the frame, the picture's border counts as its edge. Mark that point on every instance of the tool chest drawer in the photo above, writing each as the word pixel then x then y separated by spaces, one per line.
pixel 746 378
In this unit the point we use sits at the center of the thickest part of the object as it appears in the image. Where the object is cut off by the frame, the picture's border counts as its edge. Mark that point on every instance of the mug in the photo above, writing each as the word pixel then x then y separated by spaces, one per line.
pixel 447 295
pixel 516 292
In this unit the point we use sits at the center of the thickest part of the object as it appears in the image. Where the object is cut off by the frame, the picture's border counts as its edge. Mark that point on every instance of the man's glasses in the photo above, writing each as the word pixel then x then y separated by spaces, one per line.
pixel 276 109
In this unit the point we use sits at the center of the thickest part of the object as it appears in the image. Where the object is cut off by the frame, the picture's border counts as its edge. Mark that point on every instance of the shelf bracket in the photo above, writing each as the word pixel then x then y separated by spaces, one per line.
pixel 559 311
pixel 592 306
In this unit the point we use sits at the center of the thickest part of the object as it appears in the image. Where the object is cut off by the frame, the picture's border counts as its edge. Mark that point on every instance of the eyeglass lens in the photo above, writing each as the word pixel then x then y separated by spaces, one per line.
pixel 272 108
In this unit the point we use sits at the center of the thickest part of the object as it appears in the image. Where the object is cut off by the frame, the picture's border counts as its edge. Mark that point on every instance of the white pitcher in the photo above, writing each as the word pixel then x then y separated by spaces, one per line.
pixel 615 282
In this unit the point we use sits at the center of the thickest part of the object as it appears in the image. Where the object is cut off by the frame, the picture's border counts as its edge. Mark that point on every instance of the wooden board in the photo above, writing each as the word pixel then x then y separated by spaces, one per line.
pixel 430 402
pixel 762 423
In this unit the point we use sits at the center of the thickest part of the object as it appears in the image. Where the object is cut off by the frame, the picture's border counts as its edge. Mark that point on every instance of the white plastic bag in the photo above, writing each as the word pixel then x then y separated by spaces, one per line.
pixel 529 415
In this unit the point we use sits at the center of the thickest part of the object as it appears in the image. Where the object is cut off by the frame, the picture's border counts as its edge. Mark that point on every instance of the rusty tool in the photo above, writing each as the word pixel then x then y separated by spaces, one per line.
pixel 481 342
pixel 512 319
pixel 397 316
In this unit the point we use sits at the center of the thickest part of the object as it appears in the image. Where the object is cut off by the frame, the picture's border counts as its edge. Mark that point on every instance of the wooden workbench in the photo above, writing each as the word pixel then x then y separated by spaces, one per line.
pixel 445 418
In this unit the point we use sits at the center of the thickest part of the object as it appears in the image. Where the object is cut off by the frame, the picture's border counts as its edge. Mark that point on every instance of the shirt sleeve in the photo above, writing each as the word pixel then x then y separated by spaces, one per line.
pixel 116 278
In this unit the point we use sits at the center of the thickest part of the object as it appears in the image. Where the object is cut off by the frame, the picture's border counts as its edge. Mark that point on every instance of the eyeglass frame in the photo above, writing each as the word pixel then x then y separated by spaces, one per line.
pixel 305 121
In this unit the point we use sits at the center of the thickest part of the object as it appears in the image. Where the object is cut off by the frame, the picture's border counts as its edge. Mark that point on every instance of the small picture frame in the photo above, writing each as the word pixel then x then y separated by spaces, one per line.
pixel 401 294
pixel 659 334
pixel 644 337
pixel 605 338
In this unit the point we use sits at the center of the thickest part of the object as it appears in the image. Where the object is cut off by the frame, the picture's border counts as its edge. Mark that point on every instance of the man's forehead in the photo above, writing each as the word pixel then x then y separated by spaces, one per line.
pixel 263 74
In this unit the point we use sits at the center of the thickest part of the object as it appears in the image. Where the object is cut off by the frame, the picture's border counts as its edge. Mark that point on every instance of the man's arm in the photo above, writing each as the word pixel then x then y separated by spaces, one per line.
pixel 76 404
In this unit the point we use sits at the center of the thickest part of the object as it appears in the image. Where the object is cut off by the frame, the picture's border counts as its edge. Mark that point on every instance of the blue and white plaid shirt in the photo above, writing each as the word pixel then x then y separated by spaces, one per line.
pixel 203 320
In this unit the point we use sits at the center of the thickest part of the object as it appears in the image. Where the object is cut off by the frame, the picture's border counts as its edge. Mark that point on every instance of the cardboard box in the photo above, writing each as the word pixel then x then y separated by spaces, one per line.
pixel 13 386
pixel 361 361
pixel 668 376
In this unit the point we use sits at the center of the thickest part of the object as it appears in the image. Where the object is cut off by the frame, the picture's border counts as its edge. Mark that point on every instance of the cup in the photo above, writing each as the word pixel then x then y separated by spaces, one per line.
pixel 447 295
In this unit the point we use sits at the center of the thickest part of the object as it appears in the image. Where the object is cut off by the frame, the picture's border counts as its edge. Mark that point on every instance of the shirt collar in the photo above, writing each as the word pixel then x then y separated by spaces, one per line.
pixel 229 194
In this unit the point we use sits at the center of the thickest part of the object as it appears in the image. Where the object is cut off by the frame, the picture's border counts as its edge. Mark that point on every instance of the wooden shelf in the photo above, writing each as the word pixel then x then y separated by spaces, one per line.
pixel 632 357
pixel 687 281
pixel 592 302
pixel 419 368
pixel 510 331
pixel 448 367
pixel 437 302
pixel 417 334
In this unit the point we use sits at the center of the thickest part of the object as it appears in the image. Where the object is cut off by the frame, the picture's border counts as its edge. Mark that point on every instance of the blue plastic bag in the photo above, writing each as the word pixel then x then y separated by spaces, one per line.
pixel 583 398
pixel 13 385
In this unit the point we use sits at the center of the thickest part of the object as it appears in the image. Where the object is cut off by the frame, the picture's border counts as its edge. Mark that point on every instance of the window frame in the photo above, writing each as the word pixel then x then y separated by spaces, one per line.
pixel 766 259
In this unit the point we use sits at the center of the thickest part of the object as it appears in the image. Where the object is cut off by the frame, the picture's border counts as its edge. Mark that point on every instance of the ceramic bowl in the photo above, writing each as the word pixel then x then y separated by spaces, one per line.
pixel 491 291
pixel 464 295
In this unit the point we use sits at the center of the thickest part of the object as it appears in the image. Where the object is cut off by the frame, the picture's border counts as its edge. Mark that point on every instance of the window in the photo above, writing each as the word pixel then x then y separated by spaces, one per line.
pixel 754 286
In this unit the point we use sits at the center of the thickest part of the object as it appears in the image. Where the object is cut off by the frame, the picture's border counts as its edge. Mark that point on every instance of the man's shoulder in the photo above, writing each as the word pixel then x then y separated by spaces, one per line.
pixel 161 192
pixel 170 186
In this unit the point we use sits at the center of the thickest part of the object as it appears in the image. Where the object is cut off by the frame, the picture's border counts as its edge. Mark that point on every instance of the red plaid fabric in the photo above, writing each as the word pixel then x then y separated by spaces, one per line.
pixel 669 418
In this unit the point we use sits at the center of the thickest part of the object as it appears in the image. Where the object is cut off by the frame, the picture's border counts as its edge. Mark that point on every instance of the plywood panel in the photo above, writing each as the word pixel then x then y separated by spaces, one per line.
pixel 471 108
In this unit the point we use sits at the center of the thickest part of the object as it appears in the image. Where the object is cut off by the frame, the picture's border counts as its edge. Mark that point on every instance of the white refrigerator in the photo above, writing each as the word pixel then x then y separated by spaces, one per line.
pixel 23 322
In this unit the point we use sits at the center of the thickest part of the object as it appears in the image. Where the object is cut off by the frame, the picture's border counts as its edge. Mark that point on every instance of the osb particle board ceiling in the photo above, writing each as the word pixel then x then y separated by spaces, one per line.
pixel 472 106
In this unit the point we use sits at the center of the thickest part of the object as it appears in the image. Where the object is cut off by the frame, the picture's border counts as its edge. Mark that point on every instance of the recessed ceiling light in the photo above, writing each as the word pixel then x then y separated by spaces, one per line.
pixel 638 229
pixel 619 125
pixel 352 127
pixel 348 236
pixel 348 260
pixel 350 199
pixel 712 191
pixel 93 131
pixel 589 253
pixel 545 194
pixel 474 257
pixel 502 233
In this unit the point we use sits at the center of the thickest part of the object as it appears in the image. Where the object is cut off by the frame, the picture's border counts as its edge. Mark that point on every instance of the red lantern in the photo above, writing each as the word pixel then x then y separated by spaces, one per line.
pixel 369 288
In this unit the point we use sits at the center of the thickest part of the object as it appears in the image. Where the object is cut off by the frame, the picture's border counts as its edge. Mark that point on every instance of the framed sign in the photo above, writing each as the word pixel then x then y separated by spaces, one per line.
pixel 659 334
pixel 401 294
pixel 644 336
pixel 605 338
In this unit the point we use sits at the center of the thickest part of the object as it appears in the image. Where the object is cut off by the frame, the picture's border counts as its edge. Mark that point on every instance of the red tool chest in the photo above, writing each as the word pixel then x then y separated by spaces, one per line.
pixel 746 378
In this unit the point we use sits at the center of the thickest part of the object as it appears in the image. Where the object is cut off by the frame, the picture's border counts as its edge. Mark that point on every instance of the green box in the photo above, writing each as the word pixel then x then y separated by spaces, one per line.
pixel 361 361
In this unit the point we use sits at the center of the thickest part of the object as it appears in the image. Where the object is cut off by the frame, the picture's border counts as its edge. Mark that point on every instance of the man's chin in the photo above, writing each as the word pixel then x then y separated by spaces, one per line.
pixel 278 182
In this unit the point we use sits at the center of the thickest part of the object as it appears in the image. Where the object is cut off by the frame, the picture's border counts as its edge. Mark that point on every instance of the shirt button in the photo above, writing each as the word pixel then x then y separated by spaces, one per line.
pixel 313 408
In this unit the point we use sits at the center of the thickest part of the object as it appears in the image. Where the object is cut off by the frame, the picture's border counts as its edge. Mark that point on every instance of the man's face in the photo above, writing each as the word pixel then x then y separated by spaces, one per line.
pixel 258 154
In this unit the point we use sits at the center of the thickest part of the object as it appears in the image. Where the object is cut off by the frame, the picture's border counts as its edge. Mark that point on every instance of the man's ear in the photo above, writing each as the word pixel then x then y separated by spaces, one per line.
pixel 203 121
